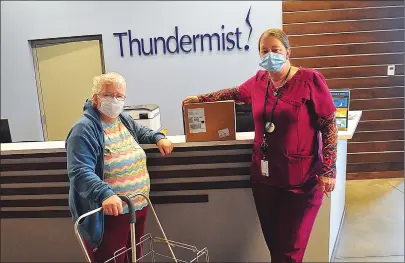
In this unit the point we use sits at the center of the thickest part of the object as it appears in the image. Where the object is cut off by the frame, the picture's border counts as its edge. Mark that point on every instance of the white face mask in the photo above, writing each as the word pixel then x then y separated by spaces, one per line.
pixel 111 107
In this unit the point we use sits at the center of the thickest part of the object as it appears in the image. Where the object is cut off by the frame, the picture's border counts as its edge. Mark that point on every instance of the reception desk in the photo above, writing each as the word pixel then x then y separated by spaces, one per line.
pixel 201 194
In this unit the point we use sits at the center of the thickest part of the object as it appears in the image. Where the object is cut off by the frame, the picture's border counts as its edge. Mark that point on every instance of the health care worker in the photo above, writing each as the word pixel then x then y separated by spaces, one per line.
pixel 294 153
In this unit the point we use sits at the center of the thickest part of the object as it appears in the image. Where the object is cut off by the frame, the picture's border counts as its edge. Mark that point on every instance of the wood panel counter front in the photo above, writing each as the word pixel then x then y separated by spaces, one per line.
pixel 201 192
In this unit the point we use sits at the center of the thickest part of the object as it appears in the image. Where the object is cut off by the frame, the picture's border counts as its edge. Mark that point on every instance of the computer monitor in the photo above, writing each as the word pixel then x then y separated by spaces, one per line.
pixel 244 118
pixel 5 135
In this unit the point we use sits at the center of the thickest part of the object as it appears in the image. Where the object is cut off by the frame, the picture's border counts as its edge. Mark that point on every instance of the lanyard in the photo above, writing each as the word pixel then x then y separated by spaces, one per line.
pixel 270 122
pixel 278 93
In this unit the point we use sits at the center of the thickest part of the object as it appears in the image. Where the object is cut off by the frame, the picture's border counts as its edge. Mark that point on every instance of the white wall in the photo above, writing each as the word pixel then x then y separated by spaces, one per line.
pixel 338 196
pixel 164 80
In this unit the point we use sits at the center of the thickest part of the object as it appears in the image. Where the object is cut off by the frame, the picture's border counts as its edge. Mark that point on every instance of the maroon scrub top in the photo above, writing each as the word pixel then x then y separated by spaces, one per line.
pixel 294 150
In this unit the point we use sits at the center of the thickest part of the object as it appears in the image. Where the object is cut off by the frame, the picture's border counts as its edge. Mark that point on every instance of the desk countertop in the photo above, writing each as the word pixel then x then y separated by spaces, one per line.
pixel 178 140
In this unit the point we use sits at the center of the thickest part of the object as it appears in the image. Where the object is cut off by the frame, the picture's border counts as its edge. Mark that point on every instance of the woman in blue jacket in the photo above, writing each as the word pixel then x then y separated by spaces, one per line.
pixel 104 160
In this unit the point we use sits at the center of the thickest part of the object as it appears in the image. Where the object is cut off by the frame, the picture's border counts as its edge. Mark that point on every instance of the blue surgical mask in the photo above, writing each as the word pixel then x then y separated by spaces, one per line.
pixel 273 62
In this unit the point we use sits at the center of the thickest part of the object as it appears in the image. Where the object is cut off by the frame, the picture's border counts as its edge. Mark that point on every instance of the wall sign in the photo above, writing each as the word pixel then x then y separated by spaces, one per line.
pixel 225 40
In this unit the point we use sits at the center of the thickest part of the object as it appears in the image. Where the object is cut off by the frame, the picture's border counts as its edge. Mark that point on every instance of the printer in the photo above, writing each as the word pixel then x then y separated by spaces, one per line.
pixel 146 115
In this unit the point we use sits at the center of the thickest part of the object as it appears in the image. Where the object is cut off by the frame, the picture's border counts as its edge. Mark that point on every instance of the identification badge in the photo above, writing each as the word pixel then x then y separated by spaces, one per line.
pixel 265 167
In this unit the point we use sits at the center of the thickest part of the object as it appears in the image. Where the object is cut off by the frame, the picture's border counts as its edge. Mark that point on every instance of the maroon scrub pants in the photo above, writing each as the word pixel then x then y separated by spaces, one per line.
pixel 286 219
pixel 117 234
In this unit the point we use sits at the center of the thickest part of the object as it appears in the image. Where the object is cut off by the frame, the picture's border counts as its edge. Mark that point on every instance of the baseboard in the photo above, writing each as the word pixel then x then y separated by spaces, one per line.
pixel 375 175
pixel 339 235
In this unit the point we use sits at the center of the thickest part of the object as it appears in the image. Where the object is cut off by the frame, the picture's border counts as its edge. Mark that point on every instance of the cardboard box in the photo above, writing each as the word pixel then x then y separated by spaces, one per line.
pixel 209 121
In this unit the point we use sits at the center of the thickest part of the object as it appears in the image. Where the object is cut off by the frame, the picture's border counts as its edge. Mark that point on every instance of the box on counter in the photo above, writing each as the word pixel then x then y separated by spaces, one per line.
pixel 209 121
pixel 341 99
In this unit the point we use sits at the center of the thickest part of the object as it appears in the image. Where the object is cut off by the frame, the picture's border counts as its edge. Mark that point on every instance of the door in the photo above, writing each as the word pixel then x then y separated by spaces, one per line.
pixel 64 73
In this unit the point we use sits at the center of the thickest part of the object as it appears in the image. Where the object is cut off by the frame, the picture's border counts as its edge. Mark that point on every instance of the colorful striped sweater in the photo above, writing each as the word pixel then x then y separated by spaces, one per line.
pixel 125 164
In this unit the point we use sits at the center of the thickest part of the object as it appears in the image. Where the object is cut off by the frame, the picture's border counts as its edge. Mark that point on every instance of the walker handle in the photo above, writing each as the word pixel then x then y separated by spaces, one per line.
pixel 131 208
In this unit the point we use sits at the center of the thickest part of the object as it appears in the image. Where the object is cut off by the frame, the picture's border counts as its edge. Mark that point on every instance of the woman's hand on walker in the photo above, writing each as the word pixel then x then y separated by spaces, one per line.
pixel 112 205
pixel 326 184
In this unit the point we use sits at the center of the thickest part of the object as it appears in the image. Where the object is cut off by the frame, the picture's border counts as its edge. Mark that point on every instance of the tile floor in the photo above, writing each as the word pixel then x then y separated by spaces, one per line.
pixel 374 223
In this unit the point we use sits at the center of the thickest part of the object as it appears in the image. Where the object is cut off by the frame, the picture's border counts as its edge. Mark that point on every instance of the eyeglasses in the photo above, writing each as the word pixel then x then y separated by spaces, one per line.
pixel 117 96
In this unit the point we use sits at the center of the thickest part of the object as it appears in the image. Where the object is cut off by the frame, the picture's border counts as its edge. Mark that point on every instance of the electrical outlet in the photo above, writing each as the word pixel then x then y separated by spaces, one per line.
pixel 391 70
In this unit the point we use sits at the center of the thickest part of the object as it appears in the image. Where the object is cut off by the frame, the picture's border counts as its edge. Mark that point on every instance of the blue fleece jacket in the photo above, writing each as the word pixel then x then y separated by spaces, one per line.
pixel 85 164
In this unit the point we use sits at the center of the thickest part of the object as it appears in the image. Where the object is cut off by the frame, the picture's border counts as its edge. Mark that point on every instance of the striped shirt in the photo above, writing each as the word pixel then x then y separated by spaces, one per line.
pixel 125 164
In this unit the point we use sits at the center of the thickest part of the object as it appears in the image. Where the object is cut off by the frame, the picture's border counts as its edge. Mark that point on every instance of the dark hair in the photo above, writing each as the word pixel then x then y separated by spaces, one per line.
pixel 277 33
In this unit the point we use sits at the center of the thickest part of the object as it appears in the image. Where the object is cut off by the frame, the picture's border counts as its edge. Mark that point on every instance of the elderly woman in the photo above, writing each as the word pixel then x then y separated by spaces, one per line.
pixel 294 153
pixel 104 159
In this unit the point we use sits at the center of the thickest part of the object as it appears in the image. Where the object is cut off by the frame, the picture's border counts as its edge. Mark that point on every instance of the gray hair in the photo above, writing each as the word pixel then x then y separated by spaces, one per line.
pixel 104 79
